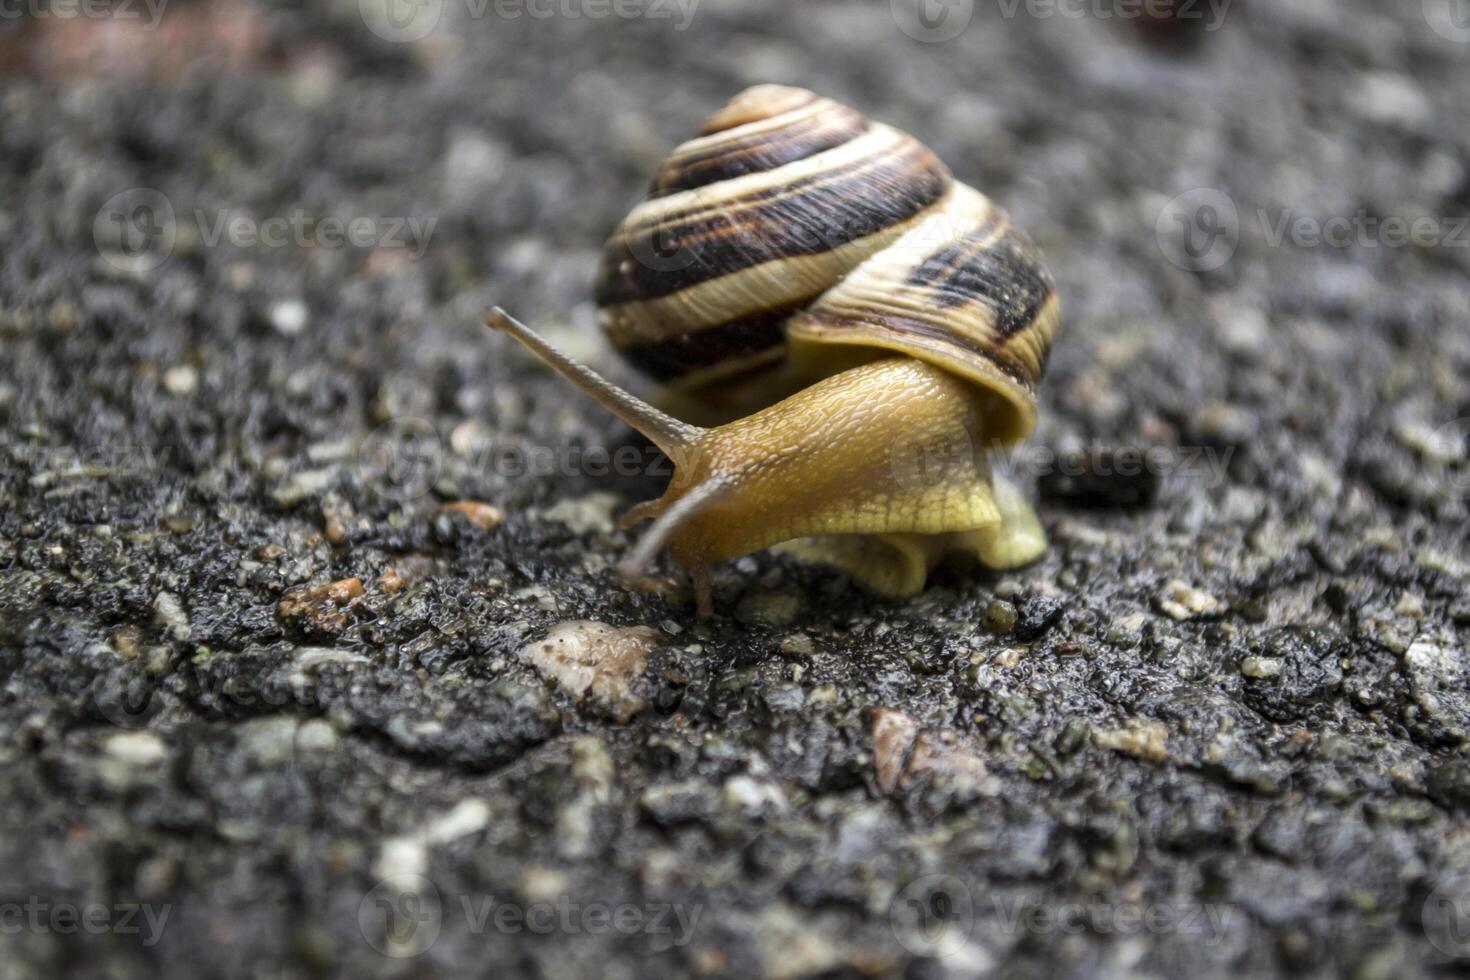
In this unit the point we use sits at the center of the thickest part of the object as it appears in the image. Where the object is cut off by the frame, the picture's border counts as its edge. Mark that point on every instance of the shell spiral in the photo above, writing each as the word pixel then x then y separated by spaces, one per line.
pixel 791 220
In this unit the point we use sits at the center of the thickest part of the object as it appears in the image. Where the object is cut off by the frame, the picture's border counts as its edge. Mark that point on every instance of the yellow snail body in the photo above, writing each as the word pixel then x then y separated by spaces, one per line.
pixel 854 325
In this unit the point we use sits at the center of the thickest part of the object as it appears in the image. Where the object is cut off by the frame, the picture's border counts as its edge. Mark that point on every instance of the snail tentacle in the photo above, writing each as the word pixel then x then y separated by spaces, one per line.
pixel 664 431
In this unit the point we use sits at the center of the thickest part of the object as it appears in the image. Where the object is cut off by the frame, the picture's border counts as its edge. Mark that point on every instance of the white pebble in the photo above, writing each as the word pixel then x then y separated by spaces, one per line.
pixel 289 317
pixel 137 748
pixel 181 380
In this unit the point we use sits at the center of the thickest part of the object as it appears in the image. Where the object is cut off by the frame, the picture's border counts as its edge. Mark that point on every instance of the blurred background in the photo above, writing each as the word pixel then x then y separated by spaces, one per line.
pixel 274 527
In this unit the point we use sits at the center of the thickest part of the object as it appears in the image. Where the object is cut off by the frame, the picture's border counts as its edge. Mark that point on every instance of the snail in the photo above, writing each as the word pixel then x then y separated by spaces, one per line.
pixel 843 330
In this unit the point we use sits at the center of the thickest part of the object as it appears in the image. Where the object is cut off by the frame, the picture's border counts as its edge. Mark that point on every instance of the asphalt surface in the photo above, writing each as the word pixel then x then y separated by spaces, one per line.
pixel 272 708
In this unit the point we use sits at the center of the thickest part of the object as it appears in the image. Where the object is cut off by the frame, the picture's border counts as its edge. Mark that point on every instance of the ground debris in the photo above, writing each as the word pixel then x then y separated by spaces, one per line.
pixel 596 661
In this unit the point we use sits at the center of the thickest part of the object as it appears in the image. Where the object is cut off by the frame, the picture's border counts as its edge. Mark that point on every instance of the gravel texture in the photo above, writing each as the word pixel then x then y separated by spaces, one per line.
pixel 262 683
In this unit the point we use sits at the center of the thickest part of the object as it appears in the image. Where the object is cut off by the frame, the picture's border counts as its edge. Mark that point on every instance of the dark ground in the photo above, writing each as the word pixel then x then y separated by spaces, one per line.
pixel 1220 730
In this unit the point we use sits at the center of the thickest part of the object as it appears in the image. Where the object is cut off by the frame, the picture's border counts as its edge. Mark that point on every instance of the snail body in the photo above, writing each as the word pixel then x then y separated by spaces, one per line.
pixel 853 325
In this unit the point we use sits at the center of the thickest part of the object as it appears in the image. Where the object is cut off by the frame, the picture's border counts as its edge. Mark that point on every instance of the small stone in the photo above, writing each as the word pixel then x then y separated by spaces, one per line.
pixel 1182 601
pixel 316 735
pixel 1141 738
pixel 901 753
pixel 1391 98
pixel 480 514
pixel 752 796
pixel 797 645
pixel 170 613
pixel 309 658
pixel 596 661
pixel 669 804
pixel 943 752
pixel 181 380
pixel 584 515
pixel 470 438
pixel 999 617
pixel 1410 606
pixel 62 317
pixel 468 816
pixel 303 485
pixel 269 741
pixel 181 523
pixel 289 317
pixel 320 607
pixel 407 854
pixel 137 748
pixel 539 884
pixel 893 736
pixel 592 768
pixel 1128 631
pixel 1261 668
pixel 1035 615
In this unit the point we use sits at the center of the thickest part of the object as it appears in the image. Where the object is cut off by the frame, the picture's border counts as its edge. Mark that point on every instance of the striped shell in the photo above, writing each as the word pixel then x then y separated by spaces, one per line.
pixel 793 219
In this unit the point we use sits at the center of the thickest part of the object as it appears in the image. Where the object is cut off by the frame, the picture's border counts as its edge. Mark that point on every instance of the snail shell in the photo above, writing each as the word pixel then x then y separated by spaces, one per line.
pixel 793 225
